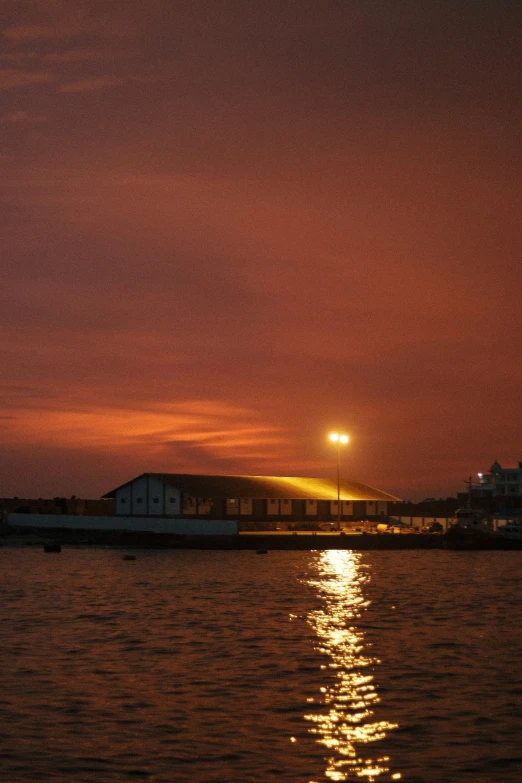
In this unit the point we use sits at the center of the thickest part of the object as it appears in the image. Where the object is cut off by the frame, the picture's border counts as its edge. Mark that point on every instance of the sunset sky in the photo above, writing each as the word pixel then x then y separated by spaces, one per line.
pixel 230 226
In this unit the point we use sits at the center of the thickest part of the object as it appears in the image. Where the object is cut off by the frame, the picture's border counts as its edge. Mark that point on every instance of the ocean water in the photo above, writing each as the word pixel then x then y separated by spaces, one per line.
pixel 231 667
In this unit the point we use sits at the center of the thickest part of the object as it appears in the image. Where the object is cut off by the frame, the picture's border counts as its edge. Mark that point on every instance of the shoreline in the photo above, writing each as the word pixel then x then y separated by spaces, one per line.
pixel 295 541
pixel 262 541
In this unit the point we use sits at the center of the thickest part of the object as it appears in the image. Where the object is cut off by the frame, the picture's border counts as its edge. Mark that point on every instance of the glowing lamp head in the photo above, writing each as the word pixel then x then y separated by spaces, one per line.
pixel 336 438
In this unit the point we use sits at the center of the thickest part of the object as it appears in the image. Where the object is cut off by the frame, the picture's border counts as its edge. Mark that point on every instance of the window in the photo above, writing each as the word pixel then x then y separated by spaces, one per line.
pixel 155 500
pixel 204 505
pixel 123 500
pixel 232 506
pixel 172 500
pixel 139 500
pixel 189 505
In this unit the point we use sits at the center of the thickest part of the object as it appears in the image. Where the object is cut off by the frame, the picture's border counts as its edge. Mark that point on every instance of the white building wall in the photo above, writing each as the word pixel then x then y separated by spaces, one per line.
pixel 209 527
pixel 139 495
pixel 155 496
pixel 128 498
pixel 172 500
pixel 123 500
pixel 272 506
pixel 311 508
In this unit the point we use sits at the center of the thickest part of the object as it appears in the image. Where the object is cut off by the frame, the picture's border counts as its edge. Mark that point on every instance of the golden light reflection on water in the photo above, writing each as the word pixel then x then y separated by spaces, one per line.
pixel 347 726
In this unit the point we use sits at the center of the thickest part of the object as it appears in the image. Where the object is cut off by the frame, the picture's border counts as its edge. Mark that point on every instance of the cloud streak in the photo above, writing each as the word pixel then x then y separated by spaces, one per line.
pixel 22 116
pixel 22 33
pixel 12 78
pixel 220 431
pixel 90 83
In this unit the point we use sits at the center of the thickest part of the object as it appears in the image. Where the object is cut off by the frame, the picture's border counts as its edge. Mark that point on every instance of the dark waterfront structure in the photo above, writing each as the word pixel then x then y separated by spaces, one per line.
pixel 252 500
pixel 500 489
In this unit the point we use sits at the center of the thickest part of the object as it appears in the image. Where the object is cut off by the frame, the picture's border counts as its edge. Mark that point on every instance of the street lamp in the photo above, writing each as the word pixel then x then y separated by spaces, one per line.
pixel 336 437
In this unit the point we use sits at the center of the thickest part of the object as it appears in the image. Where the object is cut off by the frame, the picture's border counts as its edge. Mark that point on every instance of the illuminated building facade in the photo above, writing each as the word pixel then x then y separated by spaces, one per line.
pixel 254 498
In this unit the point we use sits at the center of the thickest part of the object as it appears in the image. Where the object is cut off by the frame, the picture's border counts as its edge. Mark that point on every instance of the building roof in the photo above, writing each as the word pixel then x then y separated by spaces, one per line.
pixel 290 487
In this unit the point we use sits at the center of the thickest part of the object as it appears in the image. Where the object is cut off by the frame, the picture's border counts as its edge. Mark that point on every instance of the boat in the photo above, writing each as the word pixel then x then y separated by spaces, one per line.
pixel 512 530
pixel 472 528
pixel 472 519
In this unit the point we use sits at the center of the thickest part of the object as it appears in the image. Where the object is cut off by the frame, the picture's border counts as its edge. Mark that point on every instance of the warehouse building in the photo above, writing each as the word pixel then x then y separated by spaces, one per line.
pixel 247 498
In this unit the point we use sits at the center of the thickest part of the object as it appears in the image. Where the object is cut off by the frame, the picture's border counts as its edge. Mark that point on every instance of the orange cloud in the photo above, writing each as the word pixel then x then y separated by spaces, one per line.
pixel 216 426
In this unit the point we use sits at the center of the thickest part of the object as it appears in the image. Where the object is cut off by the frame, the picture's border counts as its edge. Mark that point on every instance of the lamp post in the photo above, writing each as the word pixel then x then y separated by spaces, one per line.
pixel 339 439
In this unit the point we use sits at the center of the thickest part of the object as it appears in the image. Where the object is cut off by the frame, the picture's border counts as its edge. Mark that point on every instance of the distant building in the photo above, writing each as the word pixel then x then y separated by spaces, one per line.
pixel 247 498
pixel 499 482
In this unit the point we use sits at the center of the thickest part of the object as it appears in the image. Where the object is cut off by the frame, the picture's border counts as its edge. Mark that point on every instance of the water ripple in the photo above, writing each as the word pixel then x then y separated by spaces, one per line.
pixel 221 666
